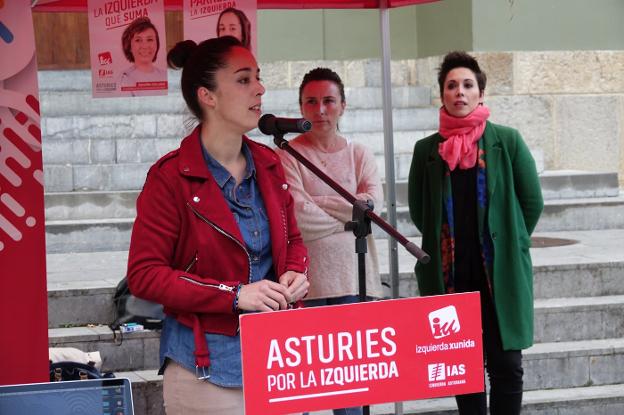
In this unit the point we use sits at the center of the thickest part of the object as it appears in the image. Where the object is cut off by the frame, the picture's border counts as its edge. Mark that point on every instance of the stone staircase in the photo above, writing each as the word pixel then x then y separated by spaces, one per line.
pixel 575 364
pixel 96 154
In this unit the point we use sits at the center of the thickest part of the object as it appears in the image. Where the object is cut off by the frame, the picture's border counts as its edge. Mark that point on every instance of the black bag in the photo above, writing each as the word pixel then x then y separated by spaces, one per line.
pixel 128 308
pixel 62 371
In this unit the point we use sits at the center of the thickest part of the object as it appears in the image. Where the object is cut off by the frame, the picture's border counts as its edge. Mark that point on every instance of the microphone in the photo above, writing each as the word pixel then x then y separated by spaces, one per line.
pixel 269 124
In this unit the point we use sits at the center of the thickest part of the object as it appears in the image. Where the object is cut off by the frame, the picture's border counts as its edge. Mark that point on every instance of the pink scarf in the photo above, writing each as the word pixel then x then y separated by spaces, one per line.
pixel 460 137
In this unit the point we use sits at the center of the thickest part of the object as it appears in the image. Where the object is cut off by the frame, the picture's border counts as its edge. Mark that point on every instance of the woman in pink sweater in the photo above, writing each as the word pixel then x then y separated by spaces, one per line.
pixel 321 212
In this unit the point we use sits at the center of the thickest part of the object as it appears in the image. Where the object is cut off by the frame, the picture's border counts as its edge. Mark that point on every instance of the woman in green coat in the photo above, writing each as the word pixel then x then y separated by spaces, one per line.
pixel 475 196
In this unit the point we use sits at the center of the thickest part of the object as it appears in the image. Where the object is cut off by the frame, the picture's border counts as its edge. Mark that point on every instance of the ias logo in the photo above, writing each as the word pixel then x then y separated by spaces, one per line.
pixel 444 322
pixel 441 371
pixel 436 372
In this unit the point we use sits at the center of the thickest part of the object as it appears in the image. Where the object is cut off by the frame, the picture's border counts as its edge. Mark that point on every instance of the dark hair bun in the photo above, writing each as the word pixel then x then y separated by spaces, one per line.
pixel 180 53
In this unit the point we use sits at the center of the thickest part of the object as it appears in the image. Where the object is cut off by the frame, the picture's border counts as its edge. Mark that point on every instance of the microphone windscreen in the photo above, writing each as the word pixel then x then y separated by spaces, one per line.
pixel 266 124
pixel 271 125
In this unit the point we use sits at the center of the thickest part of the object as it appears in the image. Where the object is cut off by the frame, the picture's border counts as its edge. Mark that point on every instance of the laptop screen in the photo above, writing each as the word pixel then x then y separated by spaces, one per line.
pixel 88 397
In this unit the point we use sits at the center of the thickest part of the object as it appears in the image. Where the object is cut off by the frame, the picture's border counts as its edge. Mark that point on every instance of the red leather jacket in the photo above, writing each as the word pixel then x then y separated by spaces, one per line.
pixel 186 250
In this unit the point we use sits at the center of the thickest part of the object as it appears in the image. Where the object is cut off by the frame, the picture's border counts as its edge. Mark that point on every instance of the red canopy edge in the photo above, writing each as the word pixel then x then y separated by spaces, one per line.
pixel 81 5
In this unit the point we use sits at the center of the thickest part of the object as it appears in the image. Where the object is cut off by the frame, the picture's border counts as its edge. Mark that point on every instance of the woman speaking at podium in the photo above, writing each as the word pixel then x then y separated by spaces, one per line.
pixel 215 233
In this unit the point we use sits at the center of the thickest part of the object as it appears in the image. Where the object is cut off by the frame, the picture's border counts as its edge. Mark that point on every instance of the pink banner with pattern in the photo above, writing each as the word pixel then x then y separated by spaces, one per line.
pixel 23 293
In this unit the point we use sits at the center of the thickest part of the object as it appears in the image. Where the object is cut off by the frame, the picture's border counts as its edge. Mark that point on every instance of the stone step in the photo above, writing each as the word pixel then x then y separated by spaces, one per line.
pixel 556 185
pixel 56 86
pixel 575 184
pixel 573 364
pixel 595 279
pixel 153 125
pixel 580 318
pixel 95 177
pixel 547 365
pixel 558 215
pixel 55 103
pixel 107 203
pixel 556 319
pixel 102 151
pixel 582 214
pixel 88 235
pixel 104 163
pixel 90 205
pixel 603 400
pixel 592 267
pixel 119 351
pixel 93 234
pixel 85 282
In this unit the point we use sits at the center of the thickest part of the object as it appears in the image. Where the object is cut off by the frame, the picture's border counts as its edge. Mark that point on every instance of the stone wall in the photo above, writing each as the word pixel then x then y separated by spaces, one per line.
pixel 568 105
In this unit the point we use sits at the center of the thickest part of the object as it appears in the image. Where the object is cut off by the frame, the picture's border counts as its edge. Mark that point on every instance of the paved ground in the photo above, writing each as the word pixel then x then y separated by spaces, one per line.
pixel 103 269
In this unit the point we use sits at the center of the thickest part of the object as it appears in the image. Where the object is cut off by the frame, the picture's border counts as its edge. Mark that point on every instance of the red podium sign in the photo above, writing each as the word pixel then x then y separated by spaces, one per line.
pixel 359 354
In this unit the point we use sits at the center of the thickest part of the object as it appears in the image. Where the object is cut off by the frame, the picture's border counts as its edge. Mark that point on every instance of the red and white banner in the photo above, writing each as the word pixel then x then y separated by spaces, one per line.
pixel 360 354
pixel 128 48
pixel 23 293
pixel 205 19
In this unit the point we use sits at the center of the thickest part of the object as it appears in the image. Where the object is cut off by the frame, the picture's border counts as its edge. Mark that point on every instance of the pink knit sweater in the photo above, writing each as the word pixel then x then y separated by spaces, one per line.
pixel 321 214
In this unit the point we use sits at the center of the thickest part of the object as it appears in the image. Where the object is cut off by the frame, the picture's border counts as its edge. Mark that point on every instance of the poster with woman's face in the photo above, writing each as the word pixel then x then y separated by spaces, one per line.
pixel 205 19
pixel 128 48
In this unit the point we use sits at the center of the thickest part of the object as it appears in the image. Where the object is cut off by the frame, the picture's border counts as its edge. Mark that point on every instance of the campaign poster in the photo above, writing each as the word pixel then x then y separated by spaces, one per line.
pixel 205 19
pixel 128 48
pixel 361 354
pixel 23 292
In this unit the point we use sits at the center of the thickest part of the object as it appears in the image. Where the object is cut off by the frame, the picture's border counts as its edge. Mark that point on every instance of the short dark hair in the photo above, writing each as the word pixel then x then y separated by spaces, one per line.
pixel 322 74
pixel 460 59
pixel 138 25
pixel 199 64
pixel 244 23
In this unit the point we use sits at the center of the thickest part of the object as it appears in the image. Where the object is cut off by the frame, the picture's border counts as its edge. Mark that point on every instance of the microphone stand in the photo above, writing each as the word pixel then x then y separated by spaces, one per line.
pixel 360 222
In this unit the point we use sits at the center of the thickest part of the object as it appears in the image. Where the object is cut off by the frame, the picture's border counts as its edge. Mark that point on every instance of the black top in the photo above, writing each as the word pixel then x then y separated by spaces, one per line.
pixel 469 271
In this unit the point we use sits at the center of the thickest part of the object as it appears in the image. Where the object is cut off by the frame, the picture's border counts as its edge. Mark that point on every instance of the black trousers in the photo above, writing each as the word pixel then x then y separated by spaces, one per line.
pixel 504 369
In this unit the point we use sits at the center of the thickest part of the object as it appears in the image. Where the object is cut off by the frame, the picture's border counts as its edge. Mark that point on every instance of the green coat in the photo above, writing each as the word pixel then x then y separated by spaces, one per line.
pixel 514 206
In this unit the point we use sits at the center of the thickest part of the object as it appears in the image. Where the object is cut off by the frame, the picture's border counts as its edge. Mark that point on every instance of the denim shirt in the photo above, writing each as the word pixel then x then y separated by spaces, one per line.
pixel 245 202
